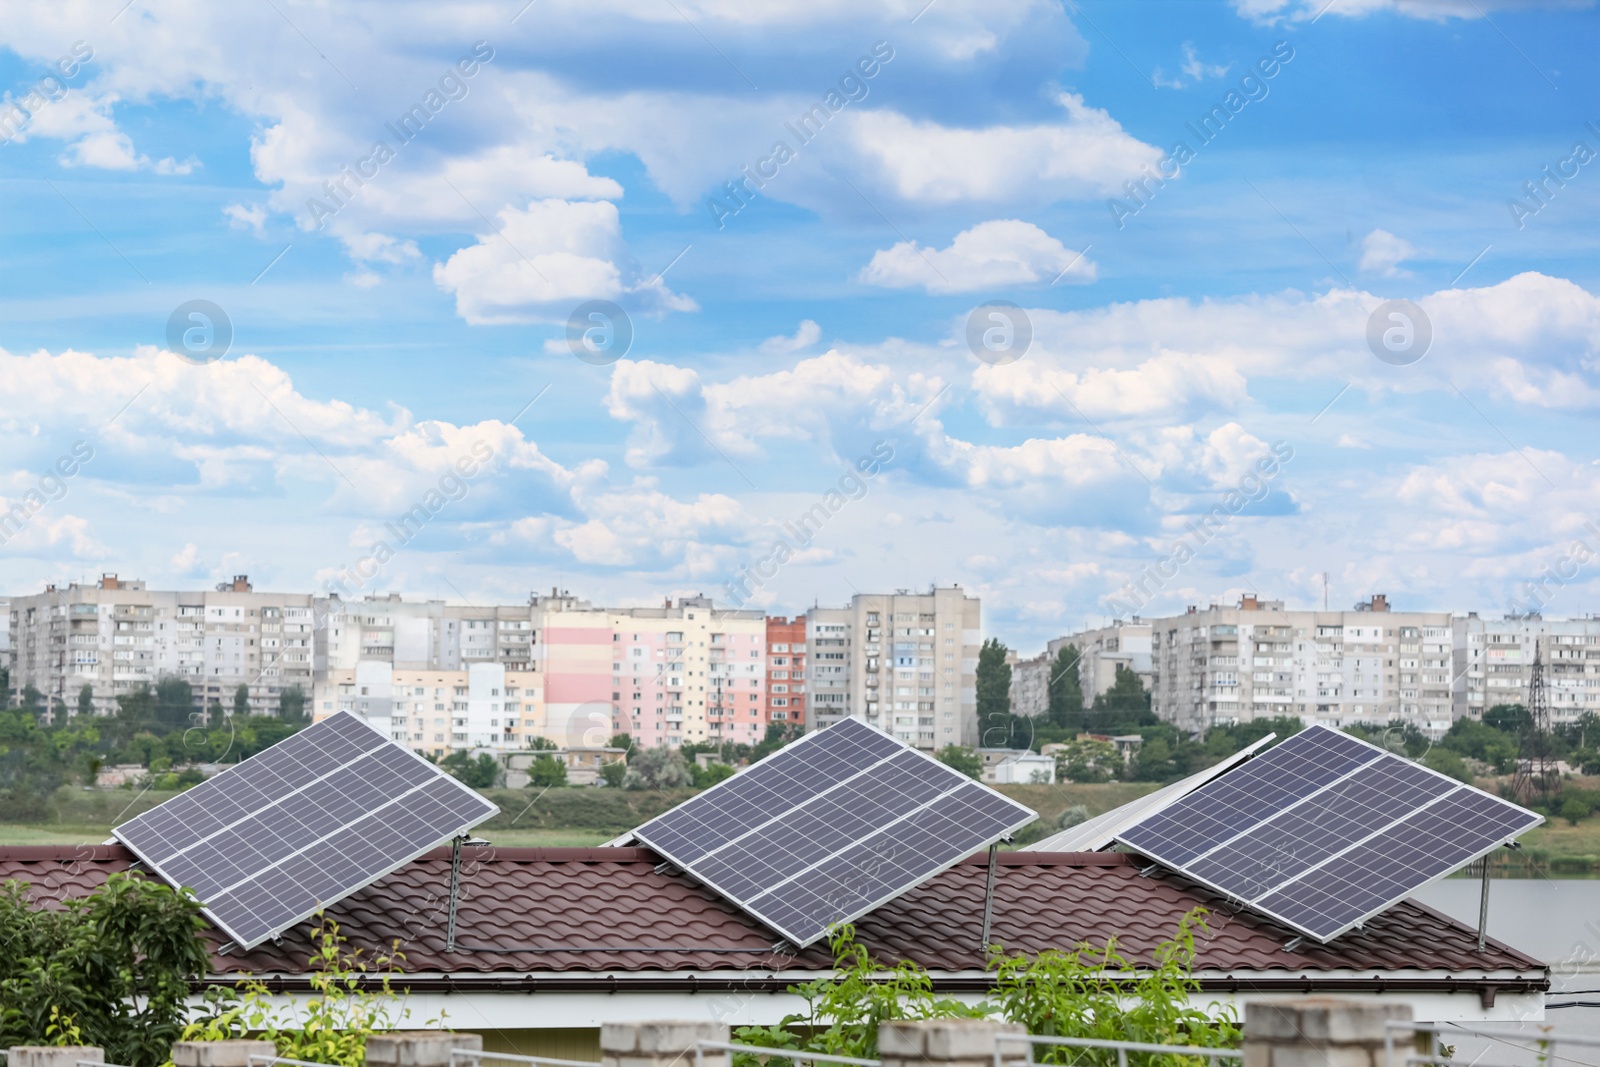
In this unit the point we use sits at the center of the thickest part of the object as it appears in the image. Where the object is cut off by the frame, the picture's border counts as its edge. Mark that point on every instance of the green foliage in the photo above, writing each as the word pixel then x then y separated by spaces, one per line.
pixel 111 969
pixel 1448 763
pixel 1574 809
pixel 622 741
pixel 1122 708
pixel 843 1012
pixel 1097 992
pixel 241 701
pixel 706 777
pixel 962 759
pixel 1481 741
pixel 1088 992
pixel 994 694
pixel 1065 690
pixel 1507 718
pixel 86 700
pixel 540 744
pixel 332 1025
pixel 1084 759
pixel 1226 740
pixel 546 772
pixel 658 768
pixel 480 772
pixel 614 774
pixel 292 705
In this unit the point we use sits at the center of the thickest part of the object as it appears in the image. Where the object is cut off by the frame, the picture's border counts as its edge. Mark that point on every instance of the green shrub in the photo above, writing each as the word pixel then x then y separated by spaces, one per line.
pixel 111 969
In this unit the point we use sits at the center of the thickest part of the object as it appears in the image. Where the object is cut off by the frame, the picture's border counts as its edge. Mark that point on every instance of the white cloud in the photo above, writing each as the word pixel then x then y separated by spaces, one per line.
pixel 1431 10
pixel 545 258
pixel 990 255
pixel 804 337
pixel 1086 154
pixel 1382 253
pixel 1194 67
pixel 252 217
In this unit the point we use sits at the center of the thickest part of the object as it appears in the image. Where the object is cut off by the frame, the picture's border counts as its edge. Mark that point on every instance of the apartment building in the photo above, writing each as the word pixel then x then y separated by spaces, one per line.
pixel 1493 661
pixel 117 635
pixel 906 662
pixel 422 633
pixel 786 670
pixel 1225 665
pixel 1103 649
pixel 483 706
pixel 1030 684
pixel 686 672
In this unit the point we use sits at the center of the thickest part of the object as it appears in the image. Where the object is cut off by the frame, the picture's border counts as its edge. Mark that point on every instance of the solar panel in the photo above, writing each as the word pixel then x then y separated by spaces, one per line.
pixel 1325 831
pixel 295 828
pixel 825 830
pixel 1097 833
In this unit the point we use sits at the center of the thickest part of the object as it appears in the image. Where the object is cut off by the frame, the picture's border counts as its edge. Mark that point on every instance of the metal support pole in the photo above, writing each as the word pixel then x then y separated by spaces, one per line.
pixel 1483 906
pixel 455 893
pixel 988 897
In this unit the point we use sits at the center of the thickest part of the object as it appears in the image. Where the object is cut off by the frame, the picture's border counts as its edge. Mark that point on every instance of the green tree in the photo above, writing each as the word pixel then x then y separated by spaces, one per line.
pixel 658 768
pixel 1573 809
pixel 540 744
pixel 1123 707
pixel 174 703
pixel 480 772
pixel 546 772
pixel 1508 718
pixel 1066 690
pixel 1448 763
pixel 614 774
pixel 706 777
pixel 962 759
pixel 118 965
pixel 1088 760
pixel 31 701
pixel 86 700
pixel 622 741
pixel 994 694
pixel 241 701
pixel 292 705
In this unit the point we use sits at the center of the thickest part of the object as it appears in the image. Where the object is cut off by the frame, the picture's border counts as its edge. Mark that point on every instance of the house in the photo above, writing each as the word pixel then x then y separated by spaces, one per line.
pixel 1028 768
pixel 583 764
pixel 993 757
pixel 553 942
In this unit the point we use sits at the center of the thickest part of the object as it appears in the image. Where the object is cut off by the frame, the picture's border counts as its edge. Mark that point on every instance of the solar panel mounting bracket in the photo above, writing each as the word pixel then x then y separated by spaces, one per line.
pixel 1293 943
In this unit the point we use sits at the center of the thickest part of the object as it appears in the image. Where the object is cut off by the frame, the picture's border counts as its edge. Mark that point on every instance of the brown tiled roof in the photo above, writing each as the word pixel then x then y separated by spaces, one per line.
pixel 532 917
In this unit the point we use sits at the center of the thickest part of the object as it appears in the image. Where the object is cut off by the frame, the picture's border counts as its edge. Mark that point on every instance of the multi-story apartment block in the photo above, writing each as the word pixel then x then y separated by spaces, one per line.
pixel 1102 650
pixel 1030 684
pixel 483 706
pixel 906 662
pixel 1493 660
pixel 117 635
pixel 1225 665
pixel 786 670
pixel 426 633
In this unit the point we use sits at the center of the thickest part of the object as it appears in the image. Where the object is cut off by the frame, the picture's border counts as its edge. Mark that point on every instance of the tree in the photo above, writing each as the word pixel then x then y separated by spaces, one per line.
pixel 174 703
pixel 1508 718
pixel 541 744
pixel 622 741
pixel 292 705
pixel 658 768
pixel 994 693
pixel 1448 763
pixel 30 700
pixel 1066 689
pixel 962 759
pixel 479 772
pixel 116 965
pixel 614 774
pixel 706 777
pixel 1574 809
pixel 86 700
pixel 1125 706
pixel 1087 760
pixel 241 701
pixel 546 772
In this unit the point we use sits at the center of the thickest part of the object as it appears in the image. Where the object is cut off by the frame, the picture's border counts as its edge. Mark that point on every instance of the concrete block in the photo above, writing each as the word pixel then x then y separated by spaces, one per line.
pixel 900 1037
pixel 219 1053
pixel 1324 1056
pixel 1321 1020
pixel 672 1038
pixel 619 1037
pixel 53 1055
pixel 418 1048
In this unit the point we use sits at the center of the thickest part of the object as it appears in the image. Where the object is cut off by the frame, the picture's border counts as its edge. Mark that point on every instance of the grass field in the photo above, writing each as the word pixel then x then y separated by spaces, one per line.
pixel 577 817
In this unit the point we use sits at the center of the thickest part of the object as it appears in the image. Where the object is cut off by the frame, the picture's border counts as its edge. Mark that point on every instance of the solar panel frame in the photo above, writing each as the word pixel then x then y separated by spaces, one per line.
pixel 1380 756
pixel 875 735
pixel 248 773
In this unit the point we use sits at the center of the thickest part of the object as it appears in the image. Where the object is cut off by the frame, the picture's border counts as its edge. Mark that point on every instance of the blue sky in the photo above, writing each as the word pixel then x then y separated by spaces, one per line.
pixel 379 335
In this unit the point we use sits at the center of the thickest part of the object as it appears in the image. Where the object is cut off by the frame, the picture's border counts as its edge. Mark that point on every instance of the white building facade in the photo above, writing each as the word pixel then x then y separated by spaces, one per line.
pixel 1493 664
pixel 905 662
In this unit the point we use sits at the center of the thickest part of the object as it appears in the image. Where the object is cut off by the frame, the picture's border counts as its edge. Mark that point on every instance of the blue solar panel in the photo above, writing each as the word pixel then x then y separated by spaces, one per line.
pixel 301 825
pixel 1324 831
pixel 827 829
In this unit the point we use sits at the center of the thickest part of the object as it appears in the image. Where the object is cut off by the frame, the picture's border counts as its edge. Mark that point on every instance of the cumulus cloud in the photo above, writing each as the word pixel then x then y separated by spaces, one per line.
pixel 990 255
pixel 1382 253
pixel 545 258
pixel 1086 154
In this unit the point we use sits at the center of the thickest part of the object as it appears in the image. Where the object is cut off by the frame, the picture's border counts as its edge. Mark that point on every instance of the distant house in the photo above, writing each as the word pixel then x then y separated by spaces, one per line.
pixel 553 942
pixel 120 774
pixel 1028 768
pixel 583 764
